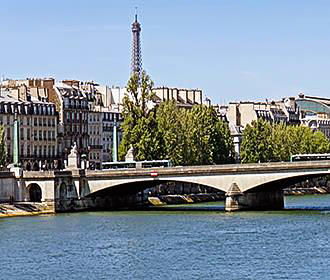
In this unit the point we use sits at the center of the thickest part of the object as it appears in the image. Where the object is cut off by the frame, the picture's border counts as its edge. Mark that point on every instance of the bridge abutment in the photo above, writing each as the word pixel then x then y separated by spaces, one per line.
pixel 259 200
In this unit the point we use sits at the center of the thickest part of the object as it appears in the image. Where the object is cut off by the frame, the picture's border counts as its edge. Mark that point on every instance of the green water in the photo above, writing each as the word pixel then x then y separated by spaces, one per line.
pixel 171 244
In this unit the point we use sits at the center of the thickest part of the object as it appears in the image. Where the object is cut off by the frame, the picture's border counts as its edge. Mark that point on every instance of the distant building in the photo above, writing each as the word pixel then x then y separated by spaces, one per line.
pixel 37 121
pixel 109 119
pixel 182 97
pixel 240 114
pixel 315 112
pixel 185 98
pixel 72 104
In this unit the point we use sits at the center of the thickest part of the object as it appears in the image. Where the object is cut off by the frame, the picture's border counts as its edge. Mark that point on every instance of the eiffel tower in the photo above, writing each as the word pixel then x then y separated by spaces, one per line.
pixel 136 61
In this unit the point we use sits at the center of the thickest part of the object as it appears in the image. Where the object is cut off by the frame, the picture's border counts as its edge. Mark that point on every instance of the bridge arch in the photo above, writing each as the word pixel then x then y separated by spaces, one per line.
pixel 135 186
pixel 283 182
pixel 247 180
pixel 35 192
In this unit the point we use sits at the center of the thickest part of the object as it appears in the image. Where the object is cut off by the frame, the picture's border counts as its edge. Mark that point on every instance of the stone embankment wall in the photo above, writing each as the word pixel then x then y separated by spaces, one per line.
pixel 180 193
pixel 24 209
pixel 320 185
pixel 184 199
pixel 8 187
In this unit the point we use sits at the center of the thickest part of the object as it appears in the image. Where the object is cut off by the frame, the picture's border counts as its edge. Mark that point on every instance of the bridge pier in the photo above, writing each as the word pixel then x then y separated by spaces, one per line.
pixel 259 200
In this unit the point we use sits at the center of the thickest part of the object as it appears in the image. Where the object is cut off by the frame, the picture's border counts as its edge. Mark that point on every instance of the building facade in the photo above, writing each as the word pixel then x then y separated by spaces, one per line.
pixel 315 112
pixel 37 128
pixel 72 106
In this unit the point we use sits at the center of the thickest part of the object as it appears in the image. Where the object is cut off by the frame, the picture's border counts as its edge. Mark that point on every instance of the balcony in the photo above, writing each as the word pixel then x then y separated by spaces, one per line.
pixel 95 147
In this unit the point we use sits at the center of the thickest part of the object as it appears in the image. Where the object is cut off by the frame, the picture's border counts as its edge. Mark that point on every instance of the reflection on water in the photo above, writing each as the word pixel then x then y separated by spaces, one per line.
pixel 303 202
pixel 308 202
pixel 171 244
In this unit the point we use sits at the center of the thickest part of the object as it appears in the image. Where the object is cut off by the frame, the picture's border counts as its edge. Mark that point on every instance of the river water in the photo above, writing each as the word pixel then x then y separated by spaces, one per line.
pixel 198 242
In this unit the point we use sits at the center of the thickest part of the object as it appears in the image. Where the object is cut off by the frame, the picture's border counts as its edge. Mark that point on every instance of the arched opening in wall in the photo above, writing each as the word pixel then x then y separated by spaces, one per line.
pixel 35 193
pixel 28 166
pixel 35 166
pixel 63 191
pixel 157 193
pixel 288 193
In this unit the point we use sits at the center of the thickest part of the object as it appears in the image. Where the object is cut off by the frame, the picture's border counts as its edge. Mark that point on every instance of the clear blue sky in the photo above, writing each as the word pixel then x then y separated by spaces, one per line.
pixel 233 50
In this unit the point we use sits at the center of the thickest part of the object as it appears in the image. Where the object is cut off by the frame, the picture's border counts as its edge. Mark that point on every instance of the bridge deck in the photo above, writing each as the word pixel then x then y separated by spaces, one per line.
pixel 272 167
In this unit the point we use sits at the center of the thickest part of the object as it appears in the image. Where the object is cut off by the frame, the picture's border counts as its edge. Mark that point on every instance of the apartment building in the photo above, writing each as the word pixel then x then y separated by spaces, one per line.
pixel 37 120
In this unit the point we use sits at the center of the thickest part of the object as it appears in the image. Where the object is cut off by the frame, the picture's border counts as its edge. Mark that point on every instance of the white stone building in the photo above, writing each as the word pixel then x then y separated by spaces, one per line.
pixel 37 128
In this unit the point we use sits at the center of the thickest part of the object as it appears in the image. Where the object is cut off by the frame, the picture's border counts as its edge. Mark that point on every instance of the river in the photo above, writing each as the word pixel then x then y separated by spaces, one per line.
pixel 172 243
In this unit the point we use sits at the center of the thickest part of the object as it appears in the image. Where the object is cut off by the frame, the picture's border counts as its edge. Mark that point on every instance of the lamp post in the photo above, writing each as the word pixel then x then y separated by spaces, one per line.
pixel 114 142
pixel 16 162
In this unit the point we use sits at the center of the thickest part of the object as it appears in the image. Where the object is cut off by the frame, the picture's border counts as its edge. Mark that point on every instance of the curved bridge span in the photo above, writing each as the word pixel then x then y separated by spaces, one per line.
pixel 247 186
pixel 221 177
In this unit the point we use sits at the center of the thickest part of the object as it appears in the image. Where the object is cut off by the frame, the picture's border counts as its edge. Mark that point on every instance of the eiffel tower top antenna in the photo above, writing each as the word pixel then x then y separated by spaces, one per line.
pixel 136 59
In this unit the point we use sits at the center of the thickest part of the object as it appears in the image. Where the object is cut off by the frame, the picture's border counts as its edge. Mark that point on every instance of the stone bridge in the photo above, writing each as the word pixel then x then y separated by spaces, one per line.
pixel 247 186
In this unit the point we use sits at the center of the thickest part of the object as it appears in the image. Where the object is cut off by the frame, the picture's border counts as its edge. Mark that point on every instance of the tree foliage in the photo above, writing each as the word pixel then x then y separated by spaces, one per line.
pixel 139 125
pixel 264 142
pixel 186 137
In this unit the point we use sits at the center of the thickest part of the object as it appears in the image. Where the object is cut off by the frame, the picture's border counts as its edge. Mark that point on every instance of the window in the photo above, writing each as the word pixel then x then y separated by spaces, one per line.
pixel 28 134
pixel 8 133
pixel 40 135
pixel 45 135
pixel 22 149
pixel 35 122
pixel 28 150
pixel 22 133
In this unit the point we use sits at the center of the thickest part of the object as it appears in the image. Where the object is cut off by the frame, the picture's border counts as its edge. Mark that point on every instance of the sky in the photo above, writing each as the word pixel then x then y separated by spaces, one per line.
pixel 231 49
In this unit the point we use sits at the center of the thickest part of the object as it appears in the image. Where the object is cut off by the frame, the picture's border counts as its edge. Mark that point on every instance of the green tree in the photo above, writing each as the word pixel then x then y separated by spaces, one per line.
pixel 139 125
pixel 264 142
pixel 281 142
pixel 208 137
pixel 257 142
pixel 172 131
pixel 224 148
pixel 3 150
pixel 186 137
pixel 321 143
pixel 305 141
pixel 195 136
